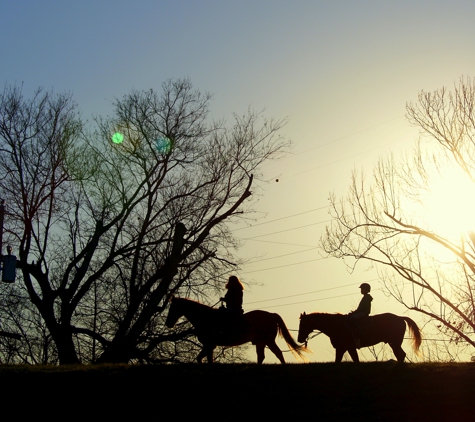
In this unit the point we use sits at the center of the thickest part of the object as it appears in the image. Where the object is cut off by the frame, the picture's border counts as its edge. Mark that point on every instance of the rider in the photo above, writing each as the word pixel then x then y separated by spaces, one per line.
pixel 231 320
pixel 233 297
pixel 363 310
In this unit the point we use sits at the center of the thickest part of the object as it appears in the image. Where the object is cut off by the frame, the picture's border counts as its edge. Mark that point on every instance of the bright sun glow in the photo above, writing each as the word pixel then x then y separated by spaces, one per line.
pixel 451 204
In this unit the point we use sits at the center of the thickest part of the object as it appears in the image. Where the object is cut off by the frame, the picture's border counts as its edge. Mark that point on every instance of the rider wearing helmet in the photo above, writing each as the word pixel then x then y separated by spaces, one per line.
pixel 363 310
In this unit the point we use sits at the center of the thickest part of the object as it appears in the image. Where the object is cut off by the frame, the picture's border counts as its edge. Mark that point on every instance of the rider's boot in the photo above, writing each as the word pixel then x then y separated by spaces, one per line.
pixel 356 338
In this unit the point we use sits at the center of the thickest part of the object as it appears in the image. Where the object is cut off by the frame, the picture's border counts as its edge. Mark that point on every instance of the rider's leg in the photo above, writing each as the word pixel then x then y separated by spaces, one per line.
pixel 353 321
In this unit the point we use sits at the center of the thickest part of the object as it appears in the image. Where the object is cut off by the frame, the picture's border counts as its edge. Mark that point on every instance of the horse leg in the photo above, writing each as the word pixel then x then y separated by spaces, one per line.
pixel 398 352
pixel 354 355
pixel 201 355
pixel 275 349
pixel 339 355
pixel 206 351
pixel 209 353
pixel 260 352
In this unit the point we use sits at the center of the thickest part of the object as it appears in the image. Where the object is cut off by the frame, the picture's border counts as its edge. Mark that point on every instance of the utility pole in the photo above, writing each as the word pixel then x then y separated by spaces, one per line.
pixel 8 262
pixel 4 266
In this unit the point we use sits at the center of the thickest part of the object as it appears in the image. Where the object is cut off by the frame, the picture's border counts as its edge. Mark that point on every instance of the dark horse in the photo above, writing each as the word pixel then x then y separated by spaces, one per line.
pixel 258 327
pixel 387 328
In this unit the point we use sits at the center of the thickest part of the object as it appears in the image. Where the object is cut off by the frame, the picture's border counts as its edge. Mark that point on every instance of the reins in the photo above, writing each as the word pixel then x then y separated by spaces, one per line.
pixel 216 303
pixel 315 334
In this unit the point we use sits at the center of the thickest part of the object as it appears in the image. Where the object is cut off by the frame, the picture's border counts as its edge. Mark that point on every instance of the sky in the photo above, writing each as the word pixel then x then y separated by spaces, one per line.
pixel 340 72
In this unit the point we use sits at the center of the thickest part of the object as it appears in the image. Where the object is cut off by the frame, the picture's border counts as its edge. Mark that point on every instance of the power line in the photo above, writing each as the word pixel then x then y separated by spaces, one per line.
pixel 309 293
pixel 287 254
pixel 307 301
pixel 282 218
pixel 313 300
pixel 343 137
pixel 338 161
pixel 315 168
pixel 324 165
pixel 288 230
pixel 279 243
pixel 283 266
pixel 255 238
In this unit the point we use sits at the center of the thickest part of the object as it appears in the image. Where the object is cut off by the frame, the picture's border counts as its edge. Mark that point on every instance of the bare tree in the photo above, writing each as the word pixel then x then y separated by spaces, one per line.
pixel 384 222
pixel 34 136
pixel 18 315
pixel 118 218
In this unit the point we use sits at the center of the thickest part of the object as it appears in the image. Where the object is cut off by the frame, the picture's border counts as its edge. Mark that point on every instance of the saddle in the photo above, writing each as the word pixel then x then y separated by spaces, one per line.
pixel 360 323
pixel 229 326
pixel 364 322
pixel 358 326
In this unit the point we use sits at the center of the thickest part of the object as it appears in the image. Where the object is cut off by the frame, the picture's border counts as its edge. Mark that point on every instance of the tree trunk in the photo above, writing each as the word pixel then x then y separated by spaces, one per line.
pixel 122 347
pixel 64 342
pixel 119 351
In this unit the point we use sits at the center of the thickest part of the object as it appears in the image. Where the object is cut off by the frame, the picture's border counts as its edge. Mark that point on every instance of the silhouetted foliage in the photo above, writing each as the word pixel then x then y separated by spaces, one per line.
pixel 386 222
pixel 109 222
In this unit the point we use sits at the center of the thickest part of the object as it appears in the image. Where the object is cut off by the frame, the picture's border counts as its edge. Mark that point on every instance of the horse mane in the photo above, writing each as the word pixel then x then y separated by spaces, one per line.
pixel 327 318
pixel 192 302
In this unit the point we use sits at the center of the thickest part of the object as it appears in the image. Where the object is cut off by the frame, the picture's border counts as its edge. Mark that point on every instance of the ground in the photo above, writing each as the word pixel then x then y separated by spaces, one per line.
pixel 325 392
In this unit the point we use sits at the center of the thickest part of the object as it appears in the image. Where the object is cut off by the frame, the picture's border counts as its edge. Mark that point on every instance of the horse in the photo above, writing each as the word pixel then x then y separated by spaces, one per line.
pixel 258 327
pixel 387 328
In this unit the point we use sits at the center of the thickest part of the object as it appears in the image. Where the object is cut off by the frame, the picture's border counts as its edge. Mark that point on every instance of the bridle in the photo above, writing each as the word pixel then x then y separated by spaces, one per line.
pixel 315 334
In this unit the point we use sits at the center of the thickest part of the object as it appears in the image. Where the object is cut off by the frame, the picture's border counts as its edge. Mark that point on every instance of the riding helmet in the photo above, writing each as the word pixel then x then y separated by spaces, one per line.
pixel 366 287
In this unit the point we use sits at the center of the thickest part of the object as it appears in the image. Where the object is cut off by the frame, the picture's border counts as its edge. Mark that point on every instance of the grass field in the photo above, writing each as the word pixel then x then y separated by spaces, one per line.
pixel 322 392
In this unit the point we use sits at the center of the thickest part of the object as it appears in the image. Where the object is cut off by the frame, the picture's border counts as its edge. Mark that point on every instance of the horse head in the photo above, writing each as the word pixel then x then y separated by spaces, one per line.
pixel 304 328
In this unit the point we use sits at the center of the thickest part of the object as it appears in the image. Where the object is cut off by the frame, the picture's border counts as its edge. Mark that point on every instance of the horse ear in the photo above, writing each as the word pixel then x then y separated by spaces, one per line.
pixel 171 298
pixel 304 314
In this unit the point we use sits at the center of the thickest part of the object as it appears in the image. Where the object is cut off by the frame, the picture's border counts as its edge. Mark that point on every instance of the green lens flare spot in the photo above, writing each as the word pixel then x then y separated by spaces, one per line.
pixel 117 138
pixel 164 145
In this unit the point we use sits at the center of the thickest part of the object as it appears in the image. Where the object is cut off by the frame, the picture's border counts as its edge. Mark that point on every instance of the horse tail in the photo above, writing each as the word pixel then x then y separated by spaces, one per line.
pixel 415 333
pixel 296 349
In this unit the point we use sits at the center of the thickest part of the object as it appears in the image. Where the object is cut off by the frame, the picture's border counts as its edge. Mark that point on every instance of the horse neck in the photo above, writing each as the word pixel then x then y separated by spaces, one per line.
pixel 196 312
pixel 326 323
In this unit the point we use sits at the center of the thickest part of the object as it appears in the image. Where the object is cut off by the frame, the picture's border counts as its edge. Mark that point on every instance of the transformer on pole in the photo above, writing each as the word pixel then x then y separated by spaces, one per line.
pixel 8 262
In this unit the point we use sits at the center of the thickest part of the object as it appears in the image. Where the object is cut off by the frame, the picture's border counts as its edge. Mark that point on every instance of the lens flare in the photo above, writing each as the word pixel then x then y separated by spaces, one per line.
pixel 164 145
pixel 117 138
